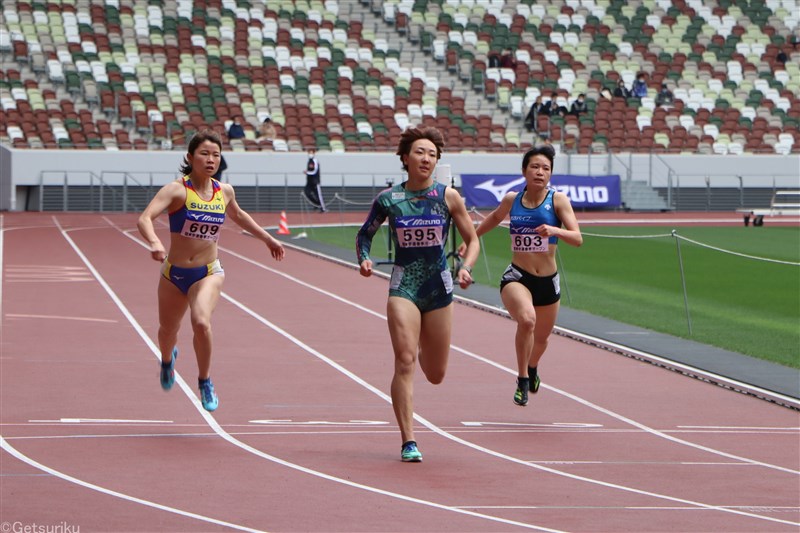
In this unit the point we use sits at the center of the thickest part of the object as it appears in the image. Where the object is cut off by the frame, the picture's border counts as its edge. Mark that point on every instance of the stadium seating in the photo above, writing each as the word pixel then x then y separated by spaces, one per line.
pixel 349 76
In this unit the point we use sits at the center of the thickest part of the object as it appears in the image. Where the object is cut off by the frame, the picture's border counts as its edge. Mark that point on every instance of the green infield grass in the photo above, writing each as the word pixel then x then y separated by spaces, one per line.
pixel 740 292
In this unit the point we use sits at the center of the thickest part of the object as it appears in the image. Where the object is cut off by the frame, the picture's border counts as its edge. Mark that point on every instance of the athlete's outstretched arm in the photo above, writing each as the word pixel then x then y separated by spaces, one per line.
pixel 163 199
pixel 496 217
pixel 246 222
pixel 570 232
pixel 493 219
pixel 364 237
pixel 462 220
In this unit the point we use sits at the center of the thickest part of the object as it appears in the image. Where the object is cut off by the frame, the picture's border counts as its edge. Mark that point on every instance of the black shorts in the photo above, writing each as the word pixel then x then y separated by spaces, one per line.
pixel 545 290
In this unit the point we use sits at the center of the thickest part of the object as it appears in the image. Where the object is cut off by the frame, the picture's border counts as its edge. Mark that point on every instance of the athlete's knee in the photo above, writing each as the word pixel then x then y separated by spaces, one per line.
pixel 201 326
pixel 168 330
pixel 526 322
pixel 434 376
pixel 434 371
pixel 404 364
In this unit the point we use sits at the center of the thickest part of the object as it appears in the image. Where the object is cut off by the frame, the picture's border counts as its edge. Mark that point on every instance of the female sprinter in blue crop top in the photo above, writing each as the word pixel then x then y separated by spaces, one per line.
pixel 529 288
pixel 191 274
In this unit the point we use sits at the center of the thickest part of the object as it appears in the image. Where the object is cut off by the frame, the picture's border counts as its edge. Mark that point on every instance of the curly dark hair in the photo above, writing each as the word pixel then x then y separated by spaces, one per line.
pixel 412 134
pixel 197 139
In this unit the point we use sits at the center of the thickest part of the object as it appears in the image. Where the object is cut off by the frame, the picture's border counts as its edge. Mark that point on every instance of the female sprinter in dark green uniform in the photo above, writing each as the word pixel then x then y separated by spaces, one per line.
pixel 420 307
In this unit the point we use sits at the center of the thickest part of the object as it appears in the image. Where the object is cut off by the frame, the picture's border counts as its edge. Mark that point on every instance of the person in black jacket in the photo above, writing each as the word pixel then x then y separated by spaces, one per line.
pixel 236 130
pixel 621 91
pixel 533 114
pixel 313 191
pixel 579 106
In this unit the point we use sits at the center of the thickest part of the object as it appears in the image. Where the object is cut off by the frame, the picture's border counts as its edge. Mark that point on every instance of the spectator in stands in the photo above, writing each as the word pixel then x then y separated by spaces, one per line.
pixel 533 114
pixel 552 108
pixel 191 274
pixel 579 106
pixel 665 96
pixel 267 130
pixel 507 60
pixel 313 190
pixel 782 57
pixel 540 218
pixel 639 89
pixel 420 307
pixel 494 60
pixel 236 130
pixel 621 91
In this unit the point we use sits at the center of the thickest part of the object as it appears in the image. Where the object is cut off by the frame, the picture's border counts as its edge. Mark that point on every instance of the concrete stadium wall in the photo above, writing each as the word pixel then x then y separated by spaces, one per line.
pixel 21 170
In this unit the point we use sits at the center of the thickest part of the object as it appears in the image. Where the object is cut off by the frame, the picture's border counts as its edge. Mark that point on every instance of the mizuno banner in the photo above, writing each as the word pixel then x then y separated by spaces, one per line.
pixel 486 190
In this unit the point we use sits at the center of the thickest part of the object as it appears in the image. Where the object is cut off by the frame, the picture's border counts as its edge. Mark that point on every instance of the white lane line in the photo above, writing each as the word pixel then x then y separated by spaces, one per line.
pixel 112 421
pixel 568 333
pixel 742 428
pixel 66 477
pixel 501 455
pixel 499 366
pixel 60 317
pixel 419 418
pixel 211 421
pixel 766 509
pixel 454 438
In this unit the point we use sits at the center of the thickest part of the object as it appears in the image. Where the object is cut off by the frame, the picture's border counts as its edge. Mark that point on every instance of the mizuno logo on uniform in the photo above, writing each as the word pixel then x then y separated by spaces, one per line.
pixel 420 221
pixel 205 217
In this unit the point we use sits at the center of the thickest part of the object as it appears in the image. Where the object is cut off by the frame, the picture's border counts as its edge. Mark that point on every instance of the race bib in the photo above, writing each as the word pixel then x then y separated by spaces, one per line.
pixel 420 231
pixel 529 242
pixel 200 230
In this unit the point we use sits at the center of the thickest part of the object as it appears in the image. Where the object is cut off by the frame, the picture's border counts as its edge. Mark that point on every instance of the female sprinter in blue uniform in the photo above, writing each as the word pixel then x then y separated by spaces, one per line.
pixel 420 307
pixel 191 274
pixel 529 288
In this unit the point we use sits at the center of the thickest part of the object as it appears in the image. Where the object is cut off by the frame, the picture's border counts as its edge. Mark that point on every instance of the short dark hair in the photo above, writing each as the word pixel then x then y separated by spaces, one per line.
pixel 546 150
pixel 408 137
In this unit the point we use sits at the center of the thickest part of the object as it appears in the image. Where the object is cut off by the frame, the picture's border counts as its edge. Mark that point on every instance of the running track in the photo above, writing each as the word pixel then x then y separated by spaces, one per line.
pixel 305 438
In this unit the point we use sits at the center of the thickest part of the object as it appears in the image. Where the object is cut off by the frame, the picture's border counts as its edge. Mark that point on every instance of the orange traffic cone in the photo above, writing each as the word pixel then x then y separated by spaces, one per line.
pixel 283 227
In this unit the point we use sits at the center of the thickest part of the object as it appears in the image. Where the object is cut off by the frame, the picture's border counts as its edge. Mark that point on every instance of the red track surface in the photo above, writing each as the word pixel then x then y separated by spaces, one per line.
pixel 305 438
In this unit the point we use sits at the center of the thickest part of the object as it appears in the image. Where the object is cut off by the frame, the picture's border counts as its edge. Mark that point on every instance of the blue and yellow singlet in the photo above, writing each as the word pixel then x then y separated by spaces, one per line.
pixel 198 218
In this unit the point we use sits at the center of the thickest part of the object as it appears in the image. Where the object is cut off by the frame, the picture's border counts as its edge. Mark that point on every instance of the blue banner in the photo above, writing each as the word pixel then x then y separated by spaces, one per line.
pixel 486 190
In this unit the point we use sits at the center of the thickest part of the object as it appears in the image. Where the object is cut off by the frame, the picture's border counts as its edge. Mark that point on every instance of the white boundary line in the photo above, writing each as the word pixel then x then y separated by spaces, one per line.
pixel 445 434
pixel 716 379
pixel 212 422
pixel 25 459
pixel 66 477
